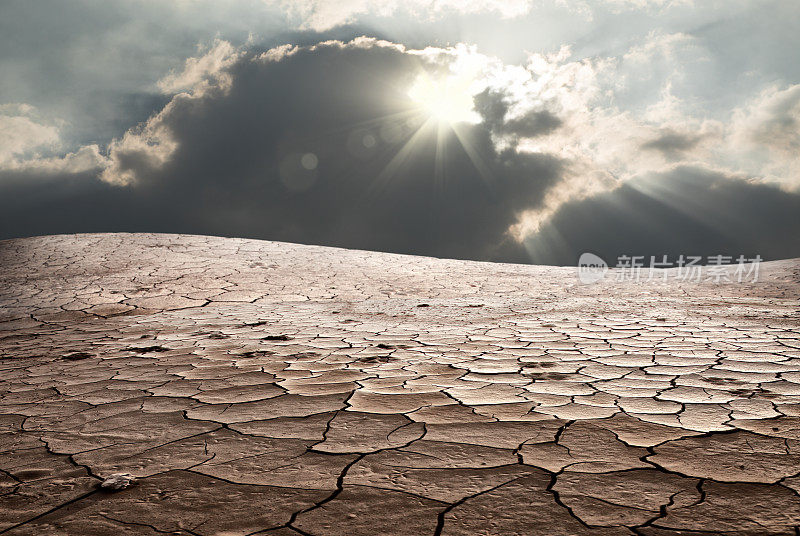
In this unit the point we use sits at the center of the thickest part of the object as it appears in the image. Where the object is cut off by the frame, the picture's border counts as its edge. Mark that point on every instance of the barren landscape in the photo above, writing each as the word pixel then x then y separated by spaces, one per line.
pixel 256 387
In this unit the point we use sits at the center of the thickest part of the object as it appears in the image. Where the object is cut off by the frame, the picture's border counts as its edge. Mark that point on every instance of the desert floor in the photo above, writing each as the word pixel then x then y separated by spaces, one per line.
pixel 270 388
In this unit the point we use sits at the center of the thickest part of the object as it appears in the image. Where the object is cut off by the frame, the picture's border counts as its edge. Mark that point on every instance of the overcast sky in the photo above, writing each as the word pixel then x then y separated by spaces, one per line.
pixel 506 130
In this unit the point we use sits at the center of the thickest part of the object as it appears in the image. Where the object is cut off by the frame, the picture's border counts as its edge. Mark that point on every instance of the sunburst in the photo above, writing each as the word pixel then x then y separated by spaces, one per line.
pixel 445 100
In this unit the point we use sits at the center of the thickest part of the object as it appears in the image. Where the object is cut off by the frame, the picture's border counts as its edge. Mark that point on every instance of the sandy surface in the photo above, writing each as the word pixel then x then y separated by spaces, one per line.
pixel 260 387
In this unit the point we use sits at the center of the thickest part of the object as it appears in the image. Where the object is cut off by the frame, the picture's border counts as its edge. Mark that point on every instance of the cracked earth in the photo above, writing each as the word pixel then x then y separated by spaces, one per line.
pixel 264 388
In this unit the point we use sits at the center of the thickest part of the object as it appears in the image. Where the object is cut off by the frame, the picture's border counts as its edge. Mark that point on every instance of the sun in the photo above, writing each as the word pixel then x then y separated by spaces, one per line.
pixel 441 118
pixel 445 100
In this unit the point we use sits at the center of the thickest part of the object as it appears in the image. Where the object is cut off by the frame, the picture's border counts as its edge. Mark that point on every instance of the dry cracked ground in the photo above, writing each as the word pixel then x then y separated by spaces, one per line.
pixel 265 388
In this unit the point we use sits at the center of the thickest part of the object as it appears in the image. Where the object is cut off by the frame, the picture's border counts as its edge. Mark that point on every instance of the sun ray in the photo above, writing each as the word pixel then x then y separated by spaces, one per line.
pixel 385 176
pixel 475 157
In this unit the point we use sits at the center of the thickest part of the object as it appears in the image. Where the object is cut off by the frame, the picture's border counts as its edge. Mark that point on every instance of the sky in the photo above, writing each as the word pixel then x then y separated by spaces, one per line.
pixel 523 131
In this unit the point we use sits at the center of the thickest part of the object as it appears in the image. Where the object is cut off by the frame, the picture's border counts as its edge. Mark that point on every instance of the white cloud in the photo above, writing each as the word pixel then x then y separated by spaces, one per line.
pixel 87 158
pixel 151 144
pixel 765 135
pixel 772 120
pixel 22 133
pixel 29 143
pixel 204 71
pixel 321 15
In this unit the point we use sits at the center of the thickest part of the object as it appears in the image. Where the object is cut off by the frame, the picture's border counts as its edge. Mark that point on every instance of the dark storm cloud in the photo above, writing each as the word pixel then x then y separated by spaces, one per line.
pixel 493 107
pixel 533 124
pixel 686 211
pixel 672 144
pixel 32 204
pixel 308 149
pixel 324 146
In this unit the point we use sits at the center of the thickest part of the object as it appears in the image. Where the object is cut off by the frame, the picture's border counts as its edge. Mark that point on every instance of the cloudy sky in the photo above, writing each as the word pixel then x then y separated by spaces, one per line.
pixel 505 130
